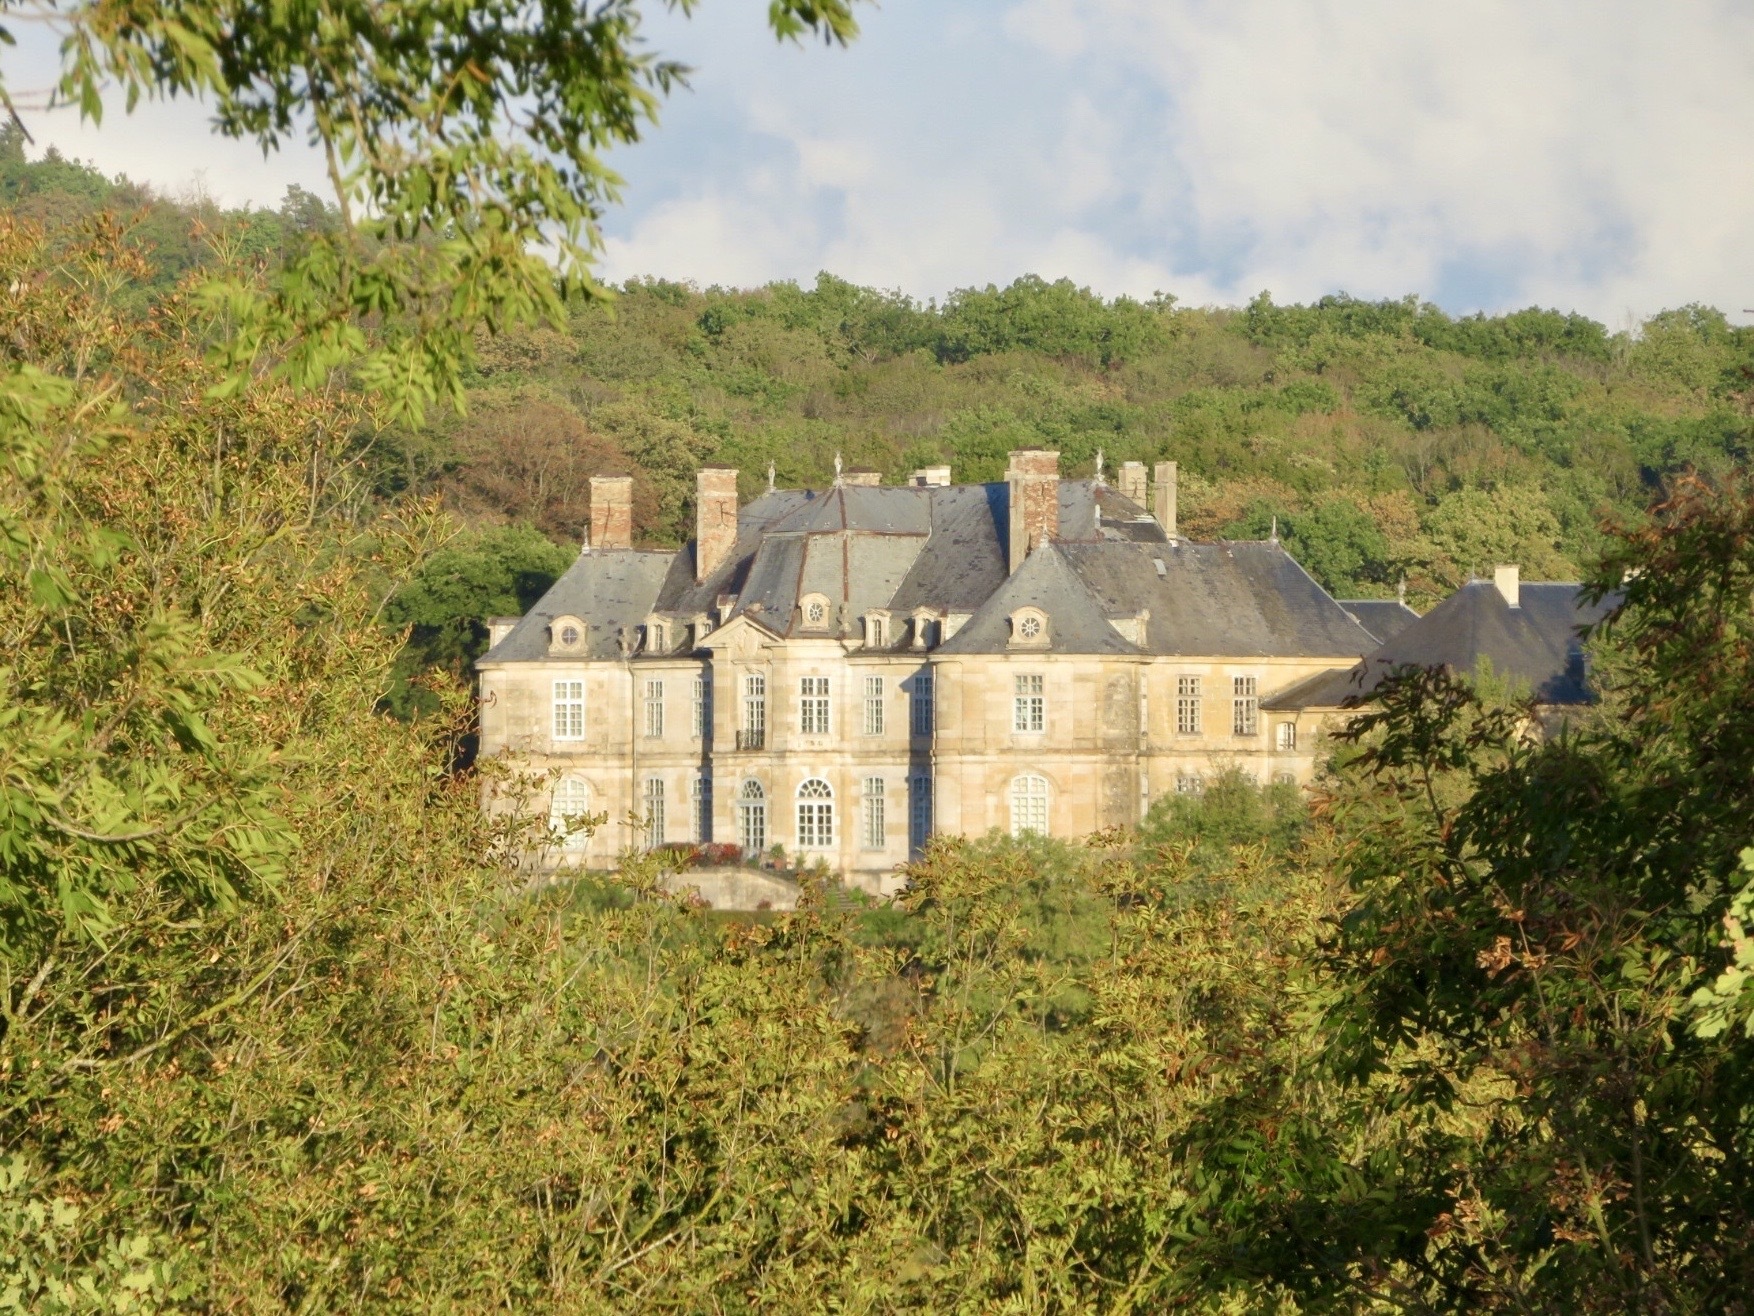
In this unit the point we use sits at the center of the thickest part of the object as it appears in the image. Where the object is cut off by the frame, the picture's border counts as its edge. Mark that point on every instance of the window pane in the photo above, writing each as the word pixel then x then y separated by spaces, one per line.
pixel 873 705
pixel 1029 805
pixel 1187 705
pixel 922 704
pixel 1028 709
pixel 655 709
pixel 919 803
pixel 569 710
pixel 1245 706
pixel 875 825
pixel 654 802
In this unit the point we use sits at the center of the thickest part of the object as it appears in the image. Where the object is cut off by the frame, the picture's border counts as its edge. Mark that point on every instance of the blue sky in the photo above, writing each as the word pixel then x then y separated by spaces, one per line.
pixel 1587 154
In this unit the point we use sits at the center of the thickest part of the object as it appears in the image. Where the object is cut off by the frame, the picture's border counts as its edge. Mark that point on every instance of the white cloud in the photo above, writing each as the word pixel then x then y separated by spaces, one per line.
pixel 1485 152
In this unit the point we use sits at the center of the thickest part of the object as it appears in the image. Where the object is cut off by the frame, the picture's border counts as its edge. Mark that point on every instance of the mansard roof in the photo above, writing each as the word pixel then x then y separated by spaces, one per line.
pixel 609 592
pixel 1537 644
pixel 1239 600
pixel 944 549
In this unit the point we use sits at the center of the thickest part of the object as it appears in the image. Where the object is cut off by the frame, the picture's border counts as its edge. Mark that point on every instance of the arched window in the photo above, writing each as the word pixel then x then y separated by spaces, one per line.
pixel 752 818
pixel 1029 805
pixel 567 811
pixel 815 815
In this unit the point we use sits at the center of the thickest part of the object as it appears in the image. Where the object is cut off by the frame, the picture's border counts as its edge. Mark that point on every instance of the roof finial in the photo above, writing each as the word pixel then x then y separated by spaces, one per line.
pixel 837 468
pixel 770 477
pixel 1274 537
pixel 1099 465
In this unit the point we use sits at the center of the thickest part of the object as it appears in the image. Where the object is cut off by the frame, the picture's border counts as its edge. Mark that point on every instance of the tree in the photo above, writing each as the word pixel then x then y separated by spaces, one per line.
pixel 464 145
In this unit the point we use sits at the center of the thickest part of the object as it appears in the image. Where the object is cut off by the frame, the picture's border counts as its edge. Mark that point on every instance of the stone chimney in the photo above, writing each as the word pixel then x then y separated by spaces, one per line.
pixel 1034 478
pixel 1163 498
pixel 1509 582
pixel 1133 482
pixel 500 627
pixel 930 477
pixel 862 476
pixel 715 518
pixel 611 512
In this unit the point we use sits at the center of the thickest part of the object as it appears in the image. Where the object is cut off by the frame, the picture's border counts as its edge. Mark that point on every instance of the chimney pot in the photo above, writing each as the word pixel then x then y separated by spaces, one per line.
pixel 715 518
pixel 1508 580
pixel 611 512
pixel 1163 498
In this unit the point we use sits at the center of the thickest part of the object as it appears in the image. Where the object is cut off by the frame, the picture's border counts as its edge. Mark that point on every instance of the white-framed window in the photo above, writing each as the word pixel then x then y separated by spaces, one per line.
pixel 1029 804
pixel 657 636
pixel 701 797
pixel 1187 705
pixel 654 802
pixel 921 707
pixel 655 709
pixel 567 810
pixel 755 704
pixel 873 825
pixel 873 705
pixel 1285 736
pixel 1285 779
pixel 703 702
pixel 752 818
pixel 1245 705
pixel 877 632
pixel 569 710
pixel 813 705
pixel 1028 704
pixel 815 610
pixel 1190 785
pixel 919 811
pixel 815 815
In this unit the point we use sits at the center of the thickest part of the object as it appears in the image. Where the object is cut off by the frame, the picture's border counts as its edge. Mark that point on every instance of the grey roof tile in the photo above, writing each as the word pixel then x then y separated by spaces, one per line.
pixel 609 591
pixel 1077 622
pixel 1383 618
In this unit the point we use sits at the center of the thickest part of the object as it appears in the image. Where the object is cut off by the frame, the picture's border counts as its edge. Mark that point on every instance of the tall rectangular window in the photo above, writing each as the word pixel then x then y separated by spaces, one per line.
pixel 654 710
pixel 919 812
pixel 1028 705
pixel 1285 736
pixel 569 710
pixel 1245 706
pixel 654 811
pixel 922 704
pixel 813 705
pixel 874 828
pixel 1187 705
pixel 873 705
pixel 702 794
pixel 703 702
pixel 754 732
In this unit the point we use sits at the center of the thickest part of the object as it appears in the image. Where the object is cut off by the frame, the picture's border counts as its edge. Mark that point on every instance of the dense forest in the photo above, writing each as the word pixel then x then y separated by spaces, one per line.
pixel 284 1026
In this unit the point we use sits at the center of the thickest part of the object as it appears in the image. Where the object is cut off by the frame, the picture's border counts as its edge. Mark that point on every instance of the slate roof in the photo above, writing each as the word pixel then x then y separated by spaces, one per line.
pixel 1536 645
pixel 1383 618
pixel 944 548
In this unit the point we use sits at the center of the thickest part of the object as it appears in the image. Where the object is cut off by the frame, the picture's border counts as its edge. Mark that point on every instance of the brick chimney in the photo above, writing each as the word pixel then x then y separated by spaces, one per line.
pixel 1132 483
pixel 1034 478
pixel 1163 498
pixel 1509 582
pixel 715 518
pixel 611 512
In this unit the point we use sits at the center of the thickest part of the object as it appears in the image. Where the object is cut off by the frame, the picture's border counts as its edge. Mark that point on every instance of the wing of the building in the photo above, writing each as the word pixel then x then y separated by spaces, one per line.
pixel 842 672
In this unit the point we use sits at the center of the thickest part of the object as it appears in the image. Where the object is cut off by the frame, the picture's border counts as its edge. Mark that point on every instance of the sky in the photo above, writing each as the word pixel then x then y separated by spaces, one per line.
pixel 1485 154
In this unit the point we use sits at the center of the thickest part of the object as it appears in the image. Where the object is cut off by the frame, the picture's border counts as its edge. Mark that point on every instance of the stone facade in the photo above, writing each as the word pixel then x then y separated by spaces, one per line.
pixel 844 672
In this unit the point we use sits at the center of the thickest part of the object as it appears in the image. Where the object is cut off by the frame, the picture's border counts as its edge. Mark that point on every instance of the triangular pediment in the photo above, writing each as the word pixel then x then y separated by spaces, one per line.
pixel 739 635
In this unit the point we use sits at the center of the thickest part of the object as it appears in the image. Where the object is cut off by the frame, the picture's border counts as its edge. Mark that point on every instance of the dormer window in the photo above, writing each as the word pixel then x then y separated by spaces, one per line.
pixel 703 627
pixel 814 608
pixel 657 636
pixel 922 630
pixel 877 630
pixel 1029 628
pixel 566 635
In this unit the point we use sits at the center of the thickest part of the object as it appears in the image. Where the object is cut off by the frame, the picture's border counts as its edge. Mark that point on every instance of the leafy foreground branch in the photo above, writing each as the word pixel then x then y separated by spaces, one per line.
pixel 279 1033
